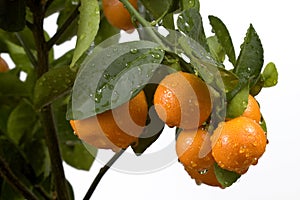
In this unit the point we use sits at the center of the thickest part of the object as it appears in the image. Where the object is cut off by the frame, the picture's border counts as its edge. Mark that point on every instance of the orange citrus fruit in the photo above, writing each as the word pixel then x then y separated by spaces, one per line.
pixel 207 176
pixel 183 100
pixel 114 129
pixel 252 110
pixel 3 65
pixel 238 143
pixel 117 15
pixel 194 150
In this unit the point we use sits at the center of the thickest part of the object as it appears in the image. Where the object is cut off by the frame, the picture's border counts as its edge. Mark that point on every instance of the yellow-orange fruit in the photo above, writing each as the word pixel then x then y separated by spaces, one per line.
pixel 117 128
pixel 183 100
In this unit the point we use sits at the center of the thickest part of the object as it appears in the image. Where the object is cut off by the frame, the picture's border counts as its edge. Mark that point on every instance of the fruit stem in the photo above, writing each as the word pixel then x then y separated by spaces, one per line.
pixel 136 15
pixel 101 173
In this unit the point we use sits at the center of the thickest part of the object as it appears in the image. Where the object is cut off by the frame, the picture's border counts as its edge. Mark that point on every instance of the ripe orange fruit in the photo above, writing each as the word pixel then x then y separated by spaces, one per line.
pixel 183 100
pixel 252 111
pixel 238 143
pixel 117 15
pixel 194 150
pixel 3 65
pixel 207 176
pixel 114 129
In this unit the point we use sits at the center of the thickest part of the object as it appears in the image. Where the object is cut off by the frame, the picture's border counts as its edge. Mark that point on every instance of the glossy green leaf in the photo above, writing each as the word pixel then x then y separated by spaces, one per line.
pixel 21 121
pixel 55 6
pixel 225 177
pixel 237 105
pixel 251 58
pixel 186 4
pixel 215 48
pixel 158 8
pixel 74 152
pixel 64 60
pixel 12 15
pixel 105 31
pixel 11 85
pixel 270 75
pixel 19 56
pixel 190 23
pixel 111 76
pixel 53 84
pixel 88 25
pixel 230 80
pixel 223 36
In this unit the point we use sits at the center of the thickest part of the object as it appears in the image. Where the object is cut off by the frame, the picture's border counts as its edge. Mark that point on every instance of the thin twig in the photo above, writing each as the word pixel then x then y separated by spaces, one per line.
pixel 101 173
pixel 62 29
pixel 27 50
pixel 14 181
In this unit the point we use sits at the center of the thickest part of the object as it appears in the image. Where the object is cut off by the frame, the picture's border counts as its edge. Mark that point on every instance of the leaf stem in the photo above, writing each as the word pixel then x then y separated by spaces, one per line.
pixel 101 173
pixel 14 181
pixel 63 28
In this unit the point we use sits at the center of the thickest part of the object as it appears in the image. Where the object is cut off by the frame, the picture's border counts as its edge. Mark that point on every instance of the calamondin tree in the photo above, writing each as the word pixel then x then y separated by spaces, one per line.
pixel 137 67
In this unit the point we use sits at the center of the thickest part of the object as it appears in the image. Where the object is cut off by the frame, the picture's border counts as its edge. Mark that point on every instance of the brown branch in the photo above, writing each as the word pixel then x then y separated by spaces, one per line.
pixel 63 28
pixel 14 181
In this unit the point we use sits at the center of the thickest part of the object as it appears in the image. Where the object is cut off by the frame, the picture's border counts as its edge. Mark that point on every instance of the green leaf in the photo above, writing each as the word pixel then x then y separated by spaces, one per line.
pixel 12 15
pixel 8 192
pixel 270 75
pixel 11 85
pixel 215 48
pixel 230 80
pixel 21 121
pixel 112 75
pixel 157 8
pixel 105 31
pixel 11 154
pixel 89 20
pixel 225 177
pixel 55 6
pixel 237 105
pixel 251 58
pixel 40 162
pixel 190 23
pixel 74 152
pixel 53 84
pixel 19 56
pixel 64 60
pixel 68 8
pixel 224 38
pixel 186 4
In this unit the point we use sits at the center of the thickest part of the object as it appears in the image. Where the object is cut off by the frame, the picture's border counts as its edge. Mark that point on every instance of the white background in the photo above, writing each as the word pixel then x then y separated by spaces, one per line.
pixel 277 174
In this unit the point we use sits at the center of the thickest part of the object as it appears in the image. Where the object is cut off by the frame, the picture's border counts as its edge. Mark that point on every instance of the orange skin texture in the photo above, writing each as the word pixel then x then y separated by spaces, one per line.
pixel 238 143
pixel 252 111
pixel 117 15
pixel 183 100
pixel 3 65
pixel 194 150
pixel 208 178
pixel 114 129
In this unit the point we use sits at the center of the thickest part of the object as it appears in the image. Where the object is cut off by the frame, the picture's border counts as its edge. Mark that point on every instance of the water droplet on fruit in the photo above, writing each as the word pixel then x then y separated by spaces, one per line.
pixel 203 171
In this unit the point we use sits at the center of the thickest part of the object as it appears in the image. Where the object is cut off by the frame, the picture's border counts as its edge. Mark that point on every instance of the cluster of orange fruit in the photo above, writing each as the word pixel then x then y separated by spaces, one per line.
pixel 183 100
pixel 234 145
